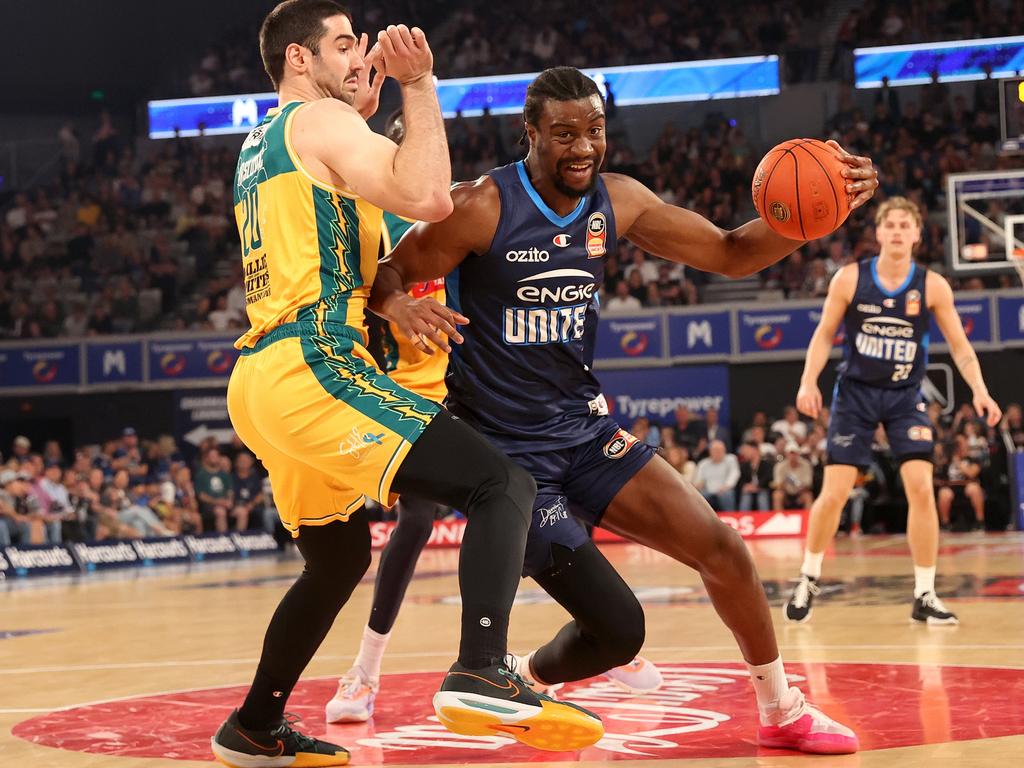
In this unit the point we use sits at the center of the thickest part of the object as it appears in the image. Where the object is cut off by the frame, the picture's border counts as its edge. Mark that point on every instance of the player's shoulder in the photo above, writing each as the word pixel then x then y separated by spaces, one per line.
pixel 314 116
pixel 937 288
pixel 621 184
pixel 477 199
pixel 844 281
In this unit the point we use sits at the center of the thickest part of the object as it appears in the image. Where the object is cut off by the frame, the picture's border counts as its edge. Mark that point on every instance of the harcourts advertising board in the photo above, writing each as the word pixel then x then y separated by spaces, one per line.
pixel 655 393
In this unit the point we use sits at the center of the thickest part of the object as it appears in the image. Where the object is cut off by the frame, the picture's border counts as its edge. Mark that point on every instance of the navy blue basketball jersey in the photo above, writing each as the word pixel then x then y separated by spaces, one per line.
pixel 523 374
pixel 887 333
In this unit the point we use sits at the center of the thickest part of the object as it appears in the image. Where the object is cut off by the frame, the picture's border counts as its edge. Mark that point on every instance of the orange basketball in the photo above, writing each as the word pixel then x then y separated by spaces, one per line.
pixel 799 190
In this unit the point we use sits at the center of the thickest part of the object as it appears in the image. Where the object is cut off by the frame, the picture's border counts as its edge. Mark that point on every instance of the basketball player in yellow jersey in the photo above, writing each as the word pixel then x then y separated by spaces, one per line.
pixel 330 427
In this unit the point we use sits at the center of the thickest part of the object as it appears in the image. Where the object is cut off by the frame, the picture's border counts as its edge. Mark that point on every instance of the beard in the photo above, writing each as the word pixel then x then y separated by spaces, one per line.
pixel 565 189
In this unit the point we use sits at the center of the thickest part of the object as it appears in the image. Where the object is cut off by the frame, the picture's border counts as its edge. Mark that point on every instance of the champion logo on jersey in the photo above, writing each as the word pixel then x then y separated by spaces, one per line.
pixel 561 240
pixel 889 303
pixel 597 235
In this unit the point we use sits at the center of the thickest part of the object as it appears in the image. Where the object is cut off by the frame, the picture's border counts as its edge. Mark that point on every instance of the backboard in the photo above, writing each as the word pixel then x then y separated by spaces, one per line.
pixel 986 221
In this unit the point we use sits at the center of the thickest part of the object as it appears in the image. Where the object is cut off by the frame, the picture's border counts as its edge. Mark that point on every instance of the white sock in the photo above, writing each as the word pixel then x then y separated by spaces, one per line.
pixel 770 685
pixel 371 652
pixel 525 665
pixel 924 580
pixel 812 564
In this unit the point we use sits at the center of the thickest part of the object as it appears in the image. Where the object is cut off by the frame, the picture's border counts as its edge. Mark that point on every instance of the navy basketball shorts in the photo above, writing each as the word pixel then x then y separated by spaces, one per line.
pixel 574 486
pixel 858 409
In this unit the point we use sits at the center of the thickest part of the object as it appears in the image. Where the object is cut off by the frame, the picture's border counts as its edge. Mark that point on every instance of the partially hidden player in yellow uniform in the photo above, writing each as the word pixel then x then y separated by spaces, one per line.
pixel 310 186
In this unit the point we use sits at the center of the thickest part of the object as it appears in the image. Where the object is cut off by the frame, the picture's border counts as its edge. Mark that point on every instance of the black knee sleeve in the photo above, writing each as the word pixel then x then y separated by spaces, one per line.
pixel 608 626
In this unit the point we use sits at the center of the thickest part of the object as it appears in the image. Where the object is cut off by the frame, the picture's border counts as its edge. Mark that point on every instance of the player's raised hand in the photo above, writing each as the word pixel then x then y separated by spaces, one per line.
pixel 808 400
pixel 427 322
pixel 987 407
pixel 407 57
pixel 861 176
pixel 368 92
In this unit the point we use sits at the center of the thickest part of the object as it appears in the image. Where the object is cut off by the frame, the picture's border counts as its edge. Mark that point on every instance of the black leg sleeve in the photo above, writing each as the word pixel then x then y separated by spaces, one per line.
pixel 607 629
pixel 453 465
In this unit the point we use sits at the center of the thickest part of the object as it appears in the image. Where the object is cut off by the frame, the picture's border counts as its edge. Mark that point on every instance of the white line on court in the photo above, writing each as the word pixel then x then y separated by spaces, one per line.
pixel 448 653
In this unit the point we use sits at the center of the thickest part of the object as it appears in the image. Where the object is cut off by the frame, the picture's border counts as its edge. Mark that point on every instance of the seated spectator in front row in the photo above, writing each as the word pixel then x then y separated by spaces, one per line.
pixel 215 492
pixel 792 481
pixel 717 476
pixel 960 480
pixel 248 492
pixel 756 475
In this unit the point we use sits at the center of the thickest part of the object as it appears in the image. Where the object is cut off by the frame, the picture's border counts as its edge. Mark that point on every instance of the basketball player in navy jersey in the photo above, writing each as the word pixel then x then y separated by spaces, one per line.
pixel 524 254
pixel 885 304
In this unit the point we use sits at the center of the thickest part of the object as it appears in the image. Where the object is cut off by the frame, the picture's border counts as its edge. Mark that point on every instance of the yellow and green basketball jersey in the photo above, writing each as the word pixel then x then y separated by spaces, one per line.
pixel 309 249
pixel 407 365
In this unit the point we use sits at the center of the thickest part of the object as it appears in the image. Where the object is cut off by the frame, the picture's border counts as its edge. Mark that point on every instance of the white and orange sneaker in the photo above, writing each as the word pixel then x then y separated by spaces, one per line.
pixel 639 676
pixel 353 703
pixel 803 727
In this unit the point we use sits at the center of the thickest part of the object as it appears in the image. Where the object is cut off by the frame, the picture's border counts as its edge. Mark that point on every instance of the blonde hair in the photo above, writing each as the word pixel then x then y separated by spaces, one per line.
pixel 897 204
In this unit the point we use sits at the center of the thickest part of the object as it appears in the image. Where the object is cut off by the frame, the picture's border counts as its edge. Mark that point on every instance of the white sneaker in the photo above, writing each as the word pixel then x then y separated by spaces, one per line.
pixel 639 676
pixel 353 703
pixel 522 668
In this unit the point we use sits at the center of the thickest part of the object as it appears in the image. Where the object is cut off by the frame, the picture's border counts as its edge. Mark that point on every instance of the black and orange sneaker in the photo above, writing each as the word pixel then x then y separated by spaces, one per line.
pixel 278 747
pixel 495 701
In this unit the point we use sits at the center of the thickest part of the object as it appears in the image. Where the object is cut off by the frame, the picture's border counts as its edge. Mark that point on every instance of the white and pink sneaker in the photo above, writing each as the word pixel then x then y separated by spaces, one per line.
pixel 639 676
pixel 353 703
pixel 803 727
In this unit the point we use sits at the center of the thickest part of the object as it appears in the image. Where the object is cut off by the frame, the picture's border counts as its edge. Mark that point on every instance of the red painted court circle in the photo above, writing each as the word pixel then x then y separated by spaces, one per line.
pixel 704 710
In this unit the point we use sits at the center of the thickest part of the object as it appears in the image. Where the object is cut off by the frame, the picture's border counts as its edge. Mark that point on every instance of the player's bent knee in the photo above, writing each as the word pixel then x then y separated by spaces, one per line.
pixel 629 635
pixel 724 552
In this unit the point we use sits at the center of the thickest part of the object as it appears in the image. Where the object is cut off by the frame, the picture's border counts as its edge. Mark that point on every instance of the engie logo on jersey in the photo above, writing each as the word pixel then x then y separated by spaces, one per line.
pixel 913 303
pixel 597 234
pixel 619 445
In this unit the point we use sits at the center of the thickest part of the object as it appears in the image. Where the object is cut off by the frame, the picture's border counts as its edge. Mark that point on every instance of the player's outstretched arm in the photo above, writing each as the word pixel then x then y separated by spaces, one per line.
pixel 429 251
pixel 840 294
pixel 683 236
pixel 940 302
pixel 412 180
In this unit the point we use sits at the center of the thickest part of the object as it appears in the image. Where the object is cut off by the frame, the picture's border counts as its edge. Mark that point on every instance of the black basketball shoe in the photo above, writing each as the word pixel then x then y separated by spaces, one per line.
pixel 495 701
pixel 278 747
pixel 798 608
pixel 928 609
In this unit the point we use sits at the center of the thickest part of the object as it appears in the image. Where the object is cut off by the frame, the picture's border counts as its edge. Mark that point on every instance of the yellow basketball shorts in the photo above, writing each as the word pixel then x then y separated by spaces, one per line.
pixel 327 424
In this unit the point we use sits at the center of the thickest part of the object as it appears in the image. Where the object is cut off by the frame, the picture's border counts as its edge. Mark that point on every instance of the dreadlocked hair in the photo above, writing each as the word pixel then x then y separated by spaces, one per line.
pixel 559 84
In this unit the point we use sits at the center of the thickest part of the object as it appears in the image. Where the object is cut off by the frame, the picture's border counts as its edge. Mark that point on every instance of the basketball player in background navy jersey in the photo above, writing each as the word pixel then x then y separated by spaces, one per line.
pixel 885 304
pixel 524 254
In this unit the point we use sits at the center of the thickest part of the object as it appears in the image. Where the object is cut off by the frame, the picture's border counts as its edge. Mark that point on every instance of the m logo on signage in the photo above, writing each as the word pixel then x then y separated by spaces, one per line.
pixel 698 330
pixel 114 362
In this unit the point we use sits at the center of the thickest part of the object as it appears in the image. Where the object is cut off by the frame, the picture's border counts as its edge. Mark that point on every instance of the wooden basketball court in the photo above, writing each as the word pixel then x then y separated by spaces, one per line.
pixel 137 669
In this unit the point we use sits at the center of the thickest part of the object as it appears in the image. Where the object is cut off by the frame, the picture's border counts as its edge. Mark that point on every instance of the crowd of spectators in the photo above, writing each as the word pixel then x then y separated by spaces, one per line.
pixel 124 242
pixel 533 33
pixel 128 488
pixel 777 465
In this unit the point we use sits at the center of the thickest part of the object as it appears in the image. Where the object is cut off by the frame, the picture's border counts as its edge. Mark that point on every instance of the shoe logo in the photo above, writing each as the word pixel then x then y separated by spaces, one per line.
pixel 275 751
pixel 509 685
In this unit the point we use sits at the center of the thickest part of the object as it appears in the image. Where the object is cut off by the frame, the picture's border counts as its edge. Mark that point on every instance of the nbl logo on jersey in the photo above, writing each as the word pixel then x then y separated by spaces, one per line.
pixel 597 235
pixel 619 445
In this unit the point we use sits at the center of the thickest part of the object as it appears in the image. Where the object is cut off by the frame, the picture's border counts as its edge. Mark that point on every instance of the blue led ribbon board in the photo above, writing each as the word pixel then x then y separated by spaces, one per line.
pixel 502 94
pixel 631 85
pixel 955 61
